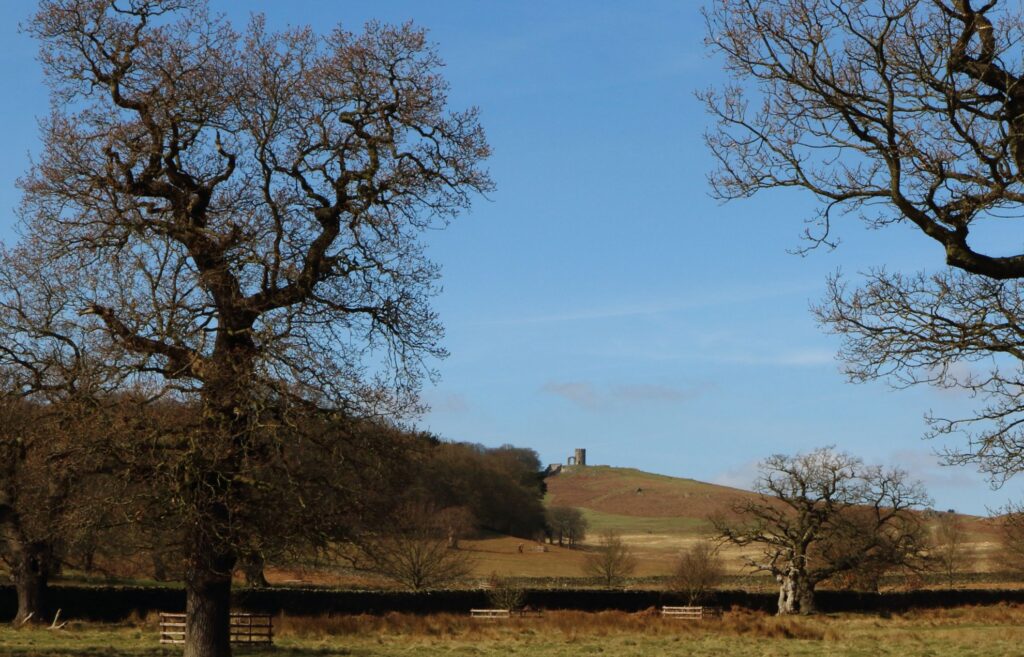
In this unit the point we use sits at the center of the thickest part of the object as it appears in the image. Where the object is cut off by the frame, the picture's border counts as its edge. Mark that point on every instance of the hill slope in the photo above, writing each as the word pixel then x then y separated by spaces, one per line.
pixel 629 492
pixel 658 514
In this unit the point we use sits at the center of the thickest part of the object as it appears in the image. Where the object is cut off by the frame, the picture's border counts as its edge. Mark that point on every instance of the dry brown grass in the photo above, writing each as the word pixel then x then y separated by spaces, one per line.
pixel 624 491
pixel 993 631
pixel 565 625
pixel 576 625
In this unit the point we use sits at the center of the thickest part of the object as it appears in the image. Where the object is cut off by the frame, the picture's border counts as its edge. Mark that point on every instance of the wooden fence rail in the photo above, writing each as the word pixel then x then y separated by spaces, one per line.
pixel 245 628
pixel 490 613
pixel 691 613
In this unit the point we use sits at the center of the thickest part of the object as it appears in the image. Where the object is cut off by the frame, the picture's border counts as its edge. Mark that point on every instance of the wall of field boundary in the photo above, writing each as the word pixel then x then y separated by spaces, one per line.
pixel 114 603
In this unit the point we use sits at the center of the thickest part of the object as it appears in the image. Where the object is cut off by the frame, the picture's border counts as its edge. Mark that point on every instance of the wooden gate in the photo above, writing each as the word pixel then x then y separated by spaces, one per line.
pixel 245 628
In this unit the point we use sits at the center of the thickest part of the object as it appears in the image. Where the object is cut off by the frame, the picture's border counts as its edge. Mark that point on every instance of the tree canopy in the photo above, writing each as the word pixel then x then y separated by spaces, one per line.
pixel 237 215
pixel 822 514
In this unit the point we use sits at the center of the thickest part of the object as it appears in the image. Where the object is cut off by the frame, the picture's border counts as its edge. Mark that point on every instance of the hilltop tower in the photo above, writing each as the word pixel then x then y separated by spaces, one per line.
pixel 579 458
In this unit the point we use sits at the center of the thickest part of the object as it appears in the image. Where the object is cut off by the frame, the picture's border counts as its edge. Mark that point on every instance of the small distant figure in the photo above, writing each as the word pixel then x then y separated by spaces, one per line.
pixel 520 546
pixel 639 491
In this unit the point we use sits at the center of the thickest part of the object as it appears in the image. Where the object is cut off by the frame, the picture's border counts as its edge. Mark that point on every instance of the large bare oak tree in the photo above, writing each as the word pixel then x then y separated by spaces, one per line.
pixel 824 514
pixel 241 214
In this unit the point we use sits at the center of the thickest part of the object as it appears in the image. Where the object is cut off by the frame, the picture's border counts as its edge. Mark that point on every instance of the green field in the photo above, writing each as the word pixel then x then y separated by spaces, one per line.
pixel 967 632
pixel 623 524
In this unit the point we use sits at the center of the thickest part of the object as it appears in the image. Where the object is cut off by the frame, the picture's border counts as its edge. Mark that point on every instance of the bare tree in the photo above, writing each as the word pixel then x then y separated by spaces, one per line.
pixel 899 112
pixel 1011 537
pixel 504 592
pixel 412 548
pixel 822 514
pixel 458 522
pixel 611 561
pixel 950 552
pixel 28 545
pixel 698 570
pixel 50 491
pixel 239 213
pixel 53 410
pixel 950 330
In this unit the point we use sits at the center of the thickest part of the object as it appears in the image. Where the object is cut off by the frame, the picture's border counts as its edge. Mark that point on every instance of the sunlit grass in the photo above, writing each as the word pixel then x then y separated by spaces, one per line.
pixel 969 632
pixel 600 522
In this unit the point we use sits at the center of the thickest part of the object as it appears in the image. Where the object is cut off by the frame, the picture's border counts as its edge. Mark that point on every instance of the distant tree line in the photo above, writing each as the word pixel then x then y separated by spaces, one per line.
pixel 502 488
pixel 88 481
pixel 451 491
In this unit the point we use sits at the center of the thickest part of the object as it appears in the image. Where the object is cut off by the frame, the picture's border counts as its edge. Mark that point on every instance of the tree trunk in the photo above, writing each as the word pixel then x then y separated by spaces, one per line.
pixel 796 593
pixel 30 572
pixel 213 553
pixel 252 568
pixel 806 599
pixel 159 566
pixel 208 607
pixel 29 564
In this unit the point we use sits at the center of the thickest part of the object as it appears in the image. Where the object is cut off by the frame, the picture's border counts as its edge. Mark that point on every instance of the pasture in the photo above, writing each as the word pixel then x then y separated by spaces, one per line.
pixel 656 515
pixel 962 632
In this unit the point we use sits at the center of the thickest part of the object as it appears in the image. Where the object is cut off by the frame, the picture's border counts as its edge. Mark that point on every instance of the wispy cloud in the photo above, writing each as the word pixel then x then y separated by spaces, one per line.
pixel 729 347
pixel 785 358
pixel 594 398
pixel 927 466
pixel 707 299
pixel 585 314
pixel 579 393
pixel 654 393
pixel 741 476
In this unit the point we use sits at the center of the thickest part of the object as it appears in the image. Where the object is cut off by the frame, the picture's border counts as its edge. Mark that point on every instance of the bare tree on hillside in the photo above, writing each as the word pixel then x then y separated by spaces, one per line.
pixel 905 112
pixel 951 553
pixel 239 214
pixel 412 548
pixel 698 570
pixel 611 561
pixel 822 514
pixel 1011 537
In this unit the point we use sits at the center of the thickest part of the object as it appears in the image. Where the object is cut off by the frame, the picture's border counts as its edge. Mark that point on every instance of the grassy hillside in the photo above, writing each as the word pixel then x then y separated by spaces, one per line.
pixel 682 504
pixel 658 515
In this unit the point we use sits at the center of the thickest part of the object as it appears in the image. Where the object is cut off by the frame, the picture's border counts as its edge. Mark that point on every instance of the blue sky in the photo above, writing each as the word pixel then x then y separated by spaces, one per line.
pixel 600 298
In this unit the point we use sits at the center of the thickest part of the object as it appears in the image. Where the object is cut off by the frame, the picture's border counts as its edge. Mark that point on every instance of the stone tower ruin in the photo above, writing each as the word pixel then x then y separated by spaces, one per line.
pixel 579 458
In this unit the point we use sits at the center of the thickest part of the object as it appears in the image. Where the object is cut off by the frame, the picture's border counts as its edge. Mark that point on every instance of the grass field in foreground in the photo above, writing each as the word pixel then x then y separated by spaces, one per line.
pixel 966 632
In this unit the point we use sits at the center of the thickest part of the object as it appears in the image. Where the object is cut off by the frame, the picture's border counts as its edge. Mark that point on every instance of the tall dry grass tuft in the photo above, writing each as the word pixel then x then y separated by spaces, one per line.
pixel 747 623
